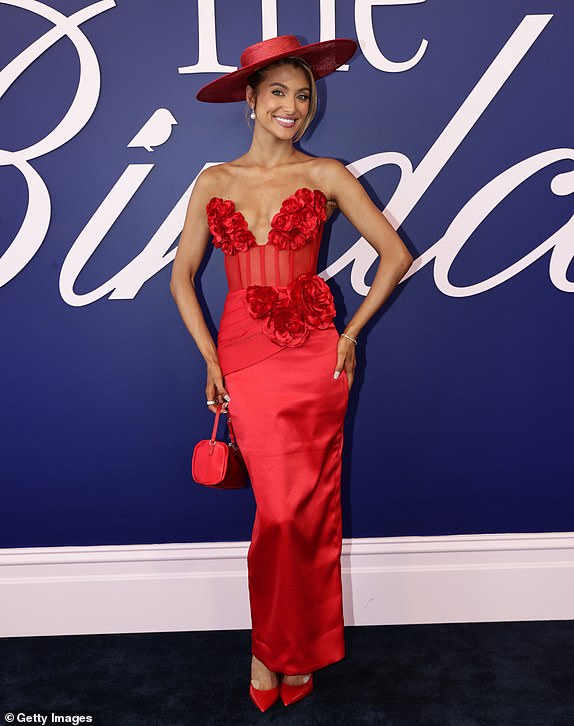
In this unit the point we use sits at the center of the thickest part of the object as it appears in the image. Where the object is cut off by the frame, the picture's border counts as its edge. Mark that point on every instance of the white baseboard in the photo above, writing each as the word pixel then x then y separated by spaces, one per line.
pixel 180 587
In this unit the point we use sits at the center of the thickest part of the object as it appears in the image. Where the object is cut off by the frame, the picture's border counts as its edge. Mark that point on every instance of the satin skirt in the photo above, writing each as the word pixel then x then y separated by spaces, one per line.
pixel 288 414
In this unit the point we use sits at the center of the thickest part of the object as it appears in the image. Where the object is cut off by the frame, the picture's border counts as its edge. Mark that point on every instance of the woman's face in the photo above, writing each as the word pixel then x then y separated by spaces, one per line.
pixel 281 101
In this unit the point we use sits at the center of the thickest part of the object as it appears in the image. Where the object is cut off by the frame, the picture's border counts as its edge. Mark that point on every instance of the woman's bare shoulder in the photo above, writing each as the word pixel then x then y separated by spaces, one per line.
pixel 216 178
pixel 327 174
pixel 326 171
pixel 327 166
pixel 212 176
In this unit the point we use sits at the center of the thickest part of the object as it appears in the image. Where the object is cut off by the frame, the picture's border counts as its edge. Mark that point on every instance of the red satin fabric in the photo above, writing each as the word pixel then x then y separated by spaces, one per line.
pixel 288 414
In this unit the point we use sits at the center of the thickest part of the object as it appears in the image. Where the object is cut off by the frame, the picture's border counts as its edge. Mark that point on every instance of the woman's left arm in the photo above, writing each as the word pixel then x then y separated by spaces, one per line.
pixel 394 262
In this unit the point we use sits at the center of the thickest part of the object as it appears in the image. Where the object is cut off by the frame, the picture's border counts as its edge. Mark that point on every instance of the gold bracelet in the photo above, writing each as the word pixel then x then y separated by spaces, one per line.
pixel 349 337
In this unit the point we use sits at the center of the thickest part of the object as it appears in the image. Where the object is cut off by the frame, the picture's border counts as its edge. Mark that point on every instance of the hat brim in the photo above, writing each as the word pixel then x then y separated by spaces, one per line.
pixel 323 58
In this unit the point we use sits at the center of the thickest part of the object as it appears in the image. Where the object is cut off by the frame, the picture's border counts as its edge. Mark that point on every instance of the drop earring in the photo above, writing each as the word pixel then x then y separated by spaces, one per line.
pixel 252 113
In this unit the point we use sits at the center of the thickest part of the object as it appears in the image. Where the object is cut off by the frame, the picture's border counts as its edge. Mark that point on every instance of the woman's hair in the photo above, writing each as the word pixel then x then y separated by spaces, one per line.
pixel 255 79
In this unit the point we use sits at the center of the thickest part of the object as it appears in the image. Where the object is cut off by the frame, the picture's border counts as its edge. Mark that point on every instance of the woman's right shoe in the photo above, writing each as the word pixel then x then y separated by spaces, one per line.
pixel 290 694
pixel 263 699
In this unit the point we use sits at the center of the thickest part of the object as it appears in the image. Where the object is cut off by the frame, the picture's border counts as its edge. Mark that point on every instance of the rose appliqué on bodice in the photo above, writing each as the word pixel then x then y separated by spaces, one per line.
pixel 297 222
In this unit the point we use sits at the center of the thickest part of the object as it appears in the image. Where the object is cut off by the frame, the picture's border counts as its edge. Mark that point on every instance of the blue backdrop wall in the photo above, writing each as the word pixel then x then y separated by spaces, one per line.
pixel 458 119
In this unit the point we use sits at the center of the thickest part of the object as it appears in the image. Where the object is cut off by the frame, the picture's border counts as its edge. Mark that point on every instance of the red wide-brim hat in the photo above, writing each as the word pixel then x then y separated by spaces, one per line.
pixel 323 58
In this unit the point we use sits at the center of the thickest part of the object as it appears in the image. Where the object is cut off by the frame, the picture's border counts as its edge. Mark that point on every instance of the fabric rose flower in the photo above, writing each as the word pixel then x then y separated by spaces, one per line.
pixel 321 206
pixel 260 299
pixel 225 243
pixel 299 219
pixel 228 227
pixel 284 222
pixel 313 297
pixel 234 222
pixel 307 219
pixel 281 240
pixel 292 204
pixel 286 326
pixel 306 196
pixel 217 208
pixel 298 239
pixel 240 240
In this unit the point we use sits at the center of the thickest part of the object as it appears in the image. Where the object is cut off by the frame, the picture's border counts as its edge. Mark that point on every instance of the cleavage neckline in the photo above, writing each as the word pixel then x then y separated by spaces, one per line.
pixel 238 211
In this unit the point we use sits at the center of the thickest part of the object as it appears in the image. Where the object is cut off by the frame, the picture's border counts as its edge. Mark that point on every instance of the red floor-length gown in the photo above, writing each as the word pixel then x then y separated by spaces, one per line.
pixel 277 348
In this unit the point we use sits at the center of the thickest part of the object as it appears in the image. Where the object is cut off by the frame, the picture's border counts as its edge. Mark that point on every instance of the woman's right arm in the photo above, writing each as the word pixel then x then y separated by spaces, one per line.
pixel 190 251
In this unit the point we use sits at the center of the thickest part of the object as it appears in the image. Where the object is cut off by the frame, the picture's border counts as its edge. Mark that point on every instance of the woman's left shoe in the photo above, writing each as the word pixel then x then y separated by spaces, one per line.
pixel 290 694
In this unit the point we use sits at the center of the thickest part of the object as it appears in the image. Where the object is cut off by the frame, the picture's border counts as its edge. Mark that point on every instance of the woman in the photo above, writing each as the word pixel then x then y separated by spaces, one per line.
pixel 280 366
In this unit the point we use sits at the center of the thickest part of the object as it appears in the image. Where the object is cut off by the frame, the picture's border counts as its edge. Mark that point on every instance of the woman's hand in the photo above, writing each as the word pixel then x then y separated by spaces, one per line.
pixel 346 359
pixel 215 390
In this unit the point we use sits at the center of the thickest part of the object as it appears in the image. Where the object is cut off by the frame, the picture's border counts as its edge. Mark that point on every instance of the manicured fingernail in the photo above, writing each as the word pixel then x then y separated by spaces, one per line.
pixel 336 374
pixel 226 397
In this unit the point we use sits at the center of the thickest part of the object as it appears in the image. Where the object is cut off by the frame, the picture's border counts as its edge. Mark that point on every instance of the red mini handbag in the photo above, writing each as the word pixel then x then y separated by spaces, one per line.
pixel 217 464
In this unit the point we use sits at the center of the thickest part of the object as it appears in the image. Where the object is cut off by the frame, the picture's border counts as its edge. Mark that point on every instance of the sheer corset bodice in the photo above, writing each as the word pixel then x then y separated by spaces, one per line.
pixel 268 265
pixel 292 245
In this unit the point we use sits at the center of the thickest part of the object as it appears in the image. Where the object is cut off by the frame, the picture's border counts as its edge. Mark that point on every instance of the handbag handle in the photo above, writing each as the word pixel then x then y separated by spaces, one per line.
pixel 216 424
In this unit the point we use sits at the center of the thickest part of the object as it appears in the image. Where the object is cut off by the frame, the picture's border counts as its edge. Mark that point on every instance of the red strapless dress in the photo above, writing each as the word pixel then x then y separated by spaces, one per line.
pixel 277 347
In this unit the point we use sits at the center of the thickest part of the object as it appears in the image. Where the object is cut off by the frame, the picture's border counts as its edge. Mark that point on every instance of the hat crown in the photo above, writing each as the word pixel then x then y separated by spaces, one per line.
pixel 323 58
pixel 269 49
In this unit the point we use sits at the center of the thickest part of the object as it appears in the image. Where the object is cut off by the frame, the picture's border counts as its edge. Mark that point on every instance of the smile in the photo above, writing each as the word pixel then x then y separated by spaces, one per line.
pixel 287 122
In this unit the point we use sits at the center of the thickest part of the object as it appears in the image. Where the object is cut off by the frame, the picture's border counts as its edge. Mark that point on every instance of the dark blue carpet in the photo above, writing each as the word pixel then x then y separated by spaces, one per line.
pixel 474 674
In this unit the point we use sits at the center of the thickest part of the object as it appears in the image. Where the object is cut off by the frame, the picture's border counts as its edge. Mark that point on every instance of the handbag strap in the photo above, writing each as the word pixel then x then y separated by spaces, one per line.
pixel 231 431
pixel 216 424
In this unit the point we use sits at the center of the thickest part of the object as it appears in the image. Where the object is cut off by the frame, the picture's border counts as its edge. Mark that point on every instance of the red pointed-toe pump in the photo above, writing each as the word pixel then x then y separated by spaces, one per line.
pixel 263 699
pixel 290 694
